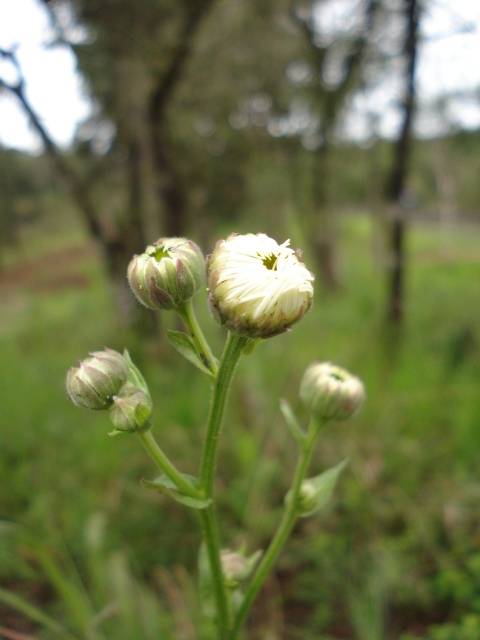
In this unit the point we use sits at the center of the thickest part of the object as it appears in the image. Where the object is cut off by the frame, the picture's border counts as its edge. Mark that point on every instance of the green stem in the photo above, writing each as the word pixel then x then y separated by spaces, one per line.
pixel 283 531
pixel 231 354
pixel 166 466
pixel 189 319
pixel 211 537
pixel 230 357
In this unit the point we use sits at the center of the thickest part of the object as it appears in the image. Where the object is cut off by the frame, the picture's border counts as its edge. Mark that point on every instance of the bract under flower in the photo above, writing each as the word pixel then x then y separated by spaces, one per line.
pixel 257 287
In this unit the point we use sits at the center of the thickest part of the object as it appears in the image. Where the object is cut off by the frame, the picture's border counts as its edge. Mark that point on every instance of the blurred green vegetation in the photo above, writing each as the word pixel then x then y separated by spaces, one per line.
pixel 396 556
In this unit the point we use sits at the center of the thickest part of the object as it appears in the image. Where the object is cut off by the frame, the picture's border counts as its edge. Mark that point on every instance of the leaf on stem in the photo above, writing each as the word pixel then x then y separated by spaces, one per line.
pixel 135 377
pixel 163 484
pixel 185 345
pixel 316 492
pixel 292 422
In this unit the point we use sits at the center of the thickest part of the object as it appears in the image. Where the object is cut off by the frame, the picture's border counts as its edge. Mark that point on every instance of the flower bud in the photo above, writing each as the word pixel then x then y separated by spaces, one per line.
pixel 331 392
pixel 97 379
pixel 167 274
pixel 256 287
pixel 131 411
pixel 236 566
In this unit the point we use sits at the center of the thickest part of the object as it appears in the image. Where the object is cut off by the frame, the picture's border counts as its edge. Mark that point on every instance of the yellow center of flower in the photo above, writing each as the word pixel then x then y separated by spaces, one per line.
pixel 270 262
pixel 161 253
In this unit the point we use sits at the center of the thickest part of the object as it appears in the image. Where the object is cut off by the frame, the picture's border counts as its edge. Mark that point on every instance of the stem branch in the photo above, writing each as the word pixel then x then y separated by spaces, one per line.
pixel 231 354
pixel 189 319
pixel 284 529
pixel 166 466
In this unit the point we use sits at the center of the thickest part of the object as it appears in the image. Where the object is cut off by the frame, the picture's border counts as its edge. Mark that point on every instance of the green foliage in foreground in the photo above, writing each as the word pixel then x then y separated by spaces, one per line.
pixel 396 556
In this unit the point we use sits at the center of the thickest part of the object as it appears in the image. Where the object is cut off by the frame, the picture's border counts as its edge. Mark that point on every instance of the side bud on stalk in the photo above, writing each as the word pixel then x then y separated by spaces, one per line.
pixel 131 411
pixel 97 379
pixel 237 567
pixel 316 492
pixel 256 287
pixel 167 274
pixel 331 392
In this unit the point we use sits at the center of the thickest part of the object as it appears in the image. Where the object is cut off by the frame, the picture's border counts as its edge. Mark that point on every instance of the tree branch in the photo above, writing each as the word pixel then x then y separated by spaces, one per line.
pixel 70 181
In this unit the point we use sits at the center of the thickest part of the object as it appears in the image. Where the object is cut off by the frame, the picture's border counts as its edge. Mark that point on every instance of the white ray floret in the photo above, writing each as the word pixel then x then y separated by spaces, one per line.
pixel 258 287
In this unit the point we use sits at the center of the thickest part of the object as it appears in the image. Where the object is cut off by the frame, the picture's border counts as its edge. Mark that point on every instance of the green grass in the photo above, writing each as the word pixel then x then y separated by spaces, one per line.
pixel 394 554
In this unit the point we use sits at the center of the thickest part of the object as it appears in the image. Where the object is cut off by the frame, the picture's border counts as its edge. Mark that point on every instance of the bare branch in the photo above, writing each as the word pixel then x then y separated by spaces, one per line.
pixel 72 182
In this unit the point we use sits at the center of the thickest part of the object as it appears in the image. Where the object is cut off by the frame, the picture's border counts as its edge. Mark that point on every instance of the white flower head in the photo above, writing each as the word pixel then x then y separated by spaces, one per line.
pixel 257 288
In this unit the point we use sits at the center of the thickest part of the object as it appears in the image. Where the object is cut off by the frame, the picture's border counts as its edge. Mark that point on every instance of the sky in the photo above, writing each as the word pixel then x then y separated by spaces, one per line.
pixel 52 85
pixel 449 61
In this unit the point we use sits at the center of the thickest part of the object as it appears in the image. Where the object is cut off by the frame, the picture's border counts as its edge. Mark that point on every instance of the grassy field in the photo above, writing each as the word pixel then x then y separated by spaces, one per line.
pixel 395 556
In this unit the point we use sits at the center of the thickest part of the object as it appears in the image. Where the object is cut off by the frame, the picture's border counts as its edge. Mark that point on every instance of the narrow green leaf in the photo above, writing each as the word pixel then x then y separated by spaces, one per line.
pixel 110 610
pixel 165 485
pixel 30 611
pixel 64 577
pixel 292 422
pixel 185 345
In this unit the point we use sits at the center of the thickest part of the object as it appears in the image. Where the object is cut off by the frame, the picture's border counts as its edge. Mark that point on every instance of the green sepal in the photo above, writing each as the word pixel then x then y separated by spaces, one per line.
pixel 135 378
pixel 316 492
pixel 292 422
pixel 185 345
pixel 165 485
pixel 250 346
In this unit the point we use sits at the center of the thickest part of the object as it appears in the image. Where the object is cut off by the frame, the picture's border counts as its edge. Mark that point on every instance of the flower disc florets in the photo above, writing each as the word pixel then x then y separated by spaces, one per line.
pixel 257 288
pixel 167 274
pixel 331 392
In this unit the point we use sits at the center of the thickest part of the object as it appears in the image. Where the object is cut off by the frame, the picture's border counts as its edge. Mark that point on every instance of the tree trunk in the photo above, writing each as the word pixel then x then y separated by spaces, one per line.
pixel 323 240
pixel 396 185
pixel 171 187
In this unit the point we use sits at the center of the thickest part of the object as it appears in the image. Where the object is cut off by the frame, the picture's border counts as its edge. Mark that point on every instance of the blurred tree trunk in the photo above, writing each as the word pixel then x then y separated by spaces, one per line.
pixel 331 100
pixel 134 75
pixel 117 244
pixel 396 182
pixel 323 238
pixel 172 189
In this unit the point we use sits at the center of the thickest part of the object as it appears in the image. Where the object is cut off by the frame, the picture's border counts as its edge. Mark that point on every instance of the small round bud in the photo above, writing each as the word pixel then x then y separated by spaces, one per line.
pixel 315 492
pixel 307 496
pixel 97 379
pixel 167 274
pixel 131 411
pixel 330 391
pixel 235 566
pixel 257 288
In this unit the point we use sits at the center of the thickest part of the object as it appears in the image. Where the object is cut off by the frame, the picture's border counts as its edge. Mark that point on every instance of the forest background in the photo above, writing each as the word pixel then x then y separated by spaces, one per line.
pixel 220 116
